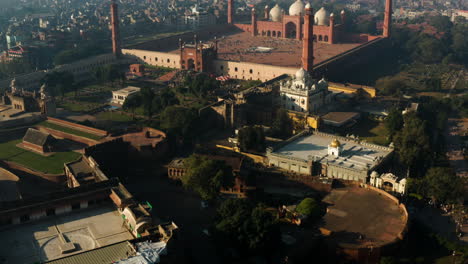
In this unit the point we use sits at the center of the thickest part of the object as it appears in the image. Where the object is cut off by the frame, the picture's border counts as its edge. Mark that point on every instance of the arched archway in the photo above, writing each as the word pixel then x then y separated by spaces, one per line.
pixel 268 33
pixel 190 64
pixel 387 186
pixel 320 38
pixel 279 34
pixel 291 30
pixel 274 33
pixel 325 39
pixel 263 33
pixel 315 38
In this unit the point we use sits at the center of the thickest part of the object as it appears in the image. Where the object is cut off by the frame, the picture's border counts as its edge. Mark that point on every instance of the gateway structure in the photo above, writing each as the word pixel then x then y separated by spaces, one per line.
pixel 321 154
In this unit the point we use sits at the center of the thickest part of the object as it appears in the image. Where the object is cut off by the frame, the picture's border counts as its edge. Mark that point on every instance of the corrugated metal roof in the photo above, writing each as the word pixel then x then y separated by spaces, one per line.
pixel 103 255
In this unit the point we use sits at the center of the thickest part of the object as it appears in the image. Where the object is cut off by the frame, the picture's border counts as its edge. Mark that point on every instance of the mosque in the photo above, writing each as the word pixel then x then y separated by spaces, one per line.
pixel 265 48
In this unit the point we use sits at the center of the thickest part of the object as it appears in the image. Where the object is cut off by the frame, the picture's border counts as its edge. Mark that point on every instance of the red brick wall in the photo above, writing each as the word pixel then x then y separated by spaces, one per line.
pixel 33 147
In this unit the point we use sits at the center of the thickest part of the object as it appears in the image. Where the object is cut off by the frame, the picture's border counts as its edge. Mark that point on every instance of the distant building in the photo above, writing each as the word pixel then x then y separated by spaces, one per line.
pixel 303 94
pixel 119 96
pixel 320 154
pixel 198 18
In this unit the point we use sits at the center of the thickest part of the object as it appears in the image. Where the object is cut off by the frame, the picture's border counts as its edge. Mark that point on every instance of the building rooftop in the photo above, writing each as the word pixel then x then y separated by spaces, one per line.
pixel 81 170
pixel 36 137
pixel 241 46
pixel 41 241
pixel 353 155
pixel 128 90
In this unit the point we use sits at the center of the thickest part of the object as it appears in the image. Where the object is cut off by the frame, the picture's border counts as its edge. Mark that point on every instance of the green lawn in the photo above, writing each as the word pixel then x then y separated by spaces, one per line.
pixel 372 131
pixel 114 116
pixel 52 164
pixel 75 107
pixel 69 130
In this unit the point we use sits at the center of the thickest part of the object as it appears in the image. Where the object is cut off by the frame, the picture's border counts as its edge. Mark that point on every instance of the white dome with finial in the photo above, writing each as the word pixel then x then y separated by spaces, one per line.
pixel 297 8
pixel 301 73
pixel 308 6
pixel 321 18
pixel 275 13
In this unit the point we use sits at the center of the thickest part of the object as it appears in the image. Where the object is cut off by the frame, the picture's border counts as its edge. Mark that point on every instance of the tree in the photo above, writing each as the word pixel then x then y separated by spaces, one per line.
pixel 206 176
pixel 442 23
pixel 283 125
pixel 132 103
pixel 179 121
pixel 246 227
pixel 147 96
pixel 309 207
pixel 394 122
pixel 252 138
pixel 413 145
pixel 390 86
pixel 443 185
pixel 59 82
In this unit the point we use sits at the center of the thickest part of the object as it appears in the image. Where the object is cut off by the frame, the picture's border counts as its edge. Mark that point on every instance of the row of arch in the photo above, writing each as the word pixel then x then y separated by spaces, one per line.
pixel 271 33
pixel 156 59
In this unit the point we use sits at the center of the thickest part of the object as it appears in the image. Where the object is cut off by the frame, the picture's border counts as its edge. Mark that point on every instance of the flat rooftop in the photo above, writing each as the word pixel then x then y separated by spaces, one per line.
pixel 39 241
pixel 128 90
pixel 284 52
pixel 359 216
pixel 353 155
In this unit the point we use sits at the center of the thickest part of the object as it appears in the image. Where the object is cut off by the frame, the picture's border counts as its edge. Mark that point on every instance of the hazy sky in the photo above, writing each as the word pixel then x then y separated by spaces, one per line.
pixel 6 3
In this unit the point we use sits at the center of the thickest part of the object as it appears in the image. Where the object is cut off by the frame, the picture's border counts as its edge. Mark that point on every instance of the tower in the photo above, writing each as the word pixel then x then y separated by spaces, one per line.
pixel 308 41
pixel 343 17
pixel 387 26
pixel 115 29
pixel 267 13
pixel 254 22
pixel 230 12
pixel 331 33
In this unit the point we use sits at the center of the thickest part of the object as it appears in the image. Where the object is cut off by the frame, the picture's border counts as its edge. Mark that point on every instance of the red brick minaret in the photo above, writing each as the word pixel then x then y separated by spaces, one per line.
pixel 308 40
pixel 230 12
pixel 387 26
pixel 115 29
pixel 254 22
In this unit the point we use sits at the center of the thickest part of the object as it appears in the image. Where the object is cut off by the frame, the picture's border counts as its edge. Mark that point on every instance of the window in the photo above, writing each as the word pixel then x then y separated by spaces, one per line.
pixel 168 60
pixel 221 67
pixel 235 69
pixel 250 71
pixel 144 57
pixel 156 59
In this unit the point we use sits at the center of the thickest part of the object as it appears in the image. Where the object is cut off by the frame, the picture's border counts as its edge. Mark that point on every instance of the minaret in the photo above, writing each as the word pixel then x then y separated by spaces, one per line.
pixel 230 12
pixel 115 29
pixel 267 13
pixel 254 22
pixel 308 40
pixel 387 26
pixel 331 32
pixel 343 17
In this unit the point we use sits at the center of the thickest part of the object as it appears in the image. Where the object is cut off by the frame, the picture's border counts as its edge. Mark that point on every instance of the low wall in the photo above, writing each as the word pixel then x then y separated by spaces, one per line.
pixel 76 126
pixel 57 178
pixel 72 137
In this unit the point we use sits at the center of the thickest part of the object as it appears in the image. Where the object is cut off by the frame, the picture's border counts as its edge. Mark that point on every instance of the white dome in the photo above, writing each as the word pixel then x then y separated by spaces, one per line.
pixel 301 73
pixel 275 13
pixel 321 18
pixel 297 8
pixel 308 6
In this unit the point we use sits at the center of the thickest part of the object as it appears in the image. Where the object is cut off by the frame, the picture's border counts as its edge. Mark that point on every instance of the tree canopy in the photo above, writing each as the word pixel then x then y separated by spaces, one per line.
pixel 245 226
pixel 252 138
pixel 412 145
pixel 206 176
pixel 309 207
pixel 282 125
pixel 59 82
pixel 394 122
pixel 179 121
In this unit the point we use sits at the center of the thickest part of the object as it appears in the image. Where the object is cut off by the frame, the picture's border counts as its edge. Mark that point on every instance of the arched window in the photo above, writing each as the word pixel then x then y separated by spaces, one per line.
pixel 325 39
pixel 235 69
pixel 320 38
pixel 144 57
pixel 274 33
pixel 168 60
pixel 156 59
pixel 279 34
pixel 250 71
pixel 221 67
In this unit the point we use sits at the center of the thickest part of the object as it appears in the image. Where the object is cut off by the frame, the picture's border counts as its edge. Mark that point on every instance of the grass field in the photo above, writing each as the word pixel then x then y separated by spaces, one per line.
pixel 113 116
pixel 51 164
pixel 75 107
pixel 69 130
pixel 372 131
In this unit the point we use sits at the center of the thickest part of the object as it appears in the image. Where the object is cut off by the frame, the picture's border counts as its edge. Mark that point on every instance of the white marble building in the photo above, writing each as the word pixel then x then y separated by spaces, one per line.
pixel 388 182
pixel 303 94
